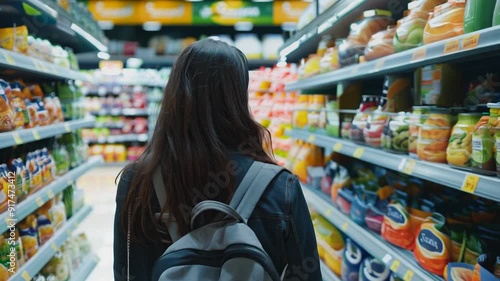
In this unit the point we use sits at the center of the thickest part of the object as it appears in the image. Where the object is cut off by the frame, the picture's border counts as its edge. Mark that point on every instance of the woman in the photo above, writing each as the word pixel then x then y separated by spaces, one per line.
pixel 204 130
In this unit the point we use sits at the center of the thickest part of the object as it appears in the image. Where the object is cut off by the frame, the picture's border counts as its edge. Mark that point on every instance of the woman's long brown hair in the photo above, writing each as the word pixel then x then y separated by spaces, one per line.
pixel 204 115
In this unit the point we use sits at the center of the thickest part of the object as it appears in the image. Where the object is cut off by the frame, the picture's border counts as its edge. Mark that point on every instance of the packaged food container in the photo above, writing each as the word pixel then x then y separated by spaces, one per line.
pixel 437 85
pixel 330 243
pixel 396 134
pixel 352 260
pixel 397 90
pixel 354 46
pixel 410 29
pixel 345 131
pixel 433 136
pixel 367 106
pixel 495 121
pixel 380 44
pixel 417 117
pixel 325 43
pixel 396 228
pixel 330 60
pixel 375 125
pixel 445 22
pixel 373 270
pixel 459 151
pixel 483 144
pixel 478 15
pixel 432 249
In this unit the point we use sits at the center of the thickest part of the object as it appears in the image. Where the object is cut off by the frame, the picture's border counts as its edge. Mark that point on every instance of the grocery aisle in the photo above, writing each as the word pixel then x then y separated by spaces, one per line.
pixel 100 190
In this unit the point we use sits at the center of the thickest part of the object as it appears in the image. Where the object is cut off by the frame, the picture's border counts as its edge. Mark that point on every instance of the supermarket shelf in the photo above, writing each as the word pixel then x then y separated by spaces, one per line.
pixel 327 273
pixel 114 164
pixel 49 21
pixel 37 199
pixel 395 258
pixel 121 112
pixel 91 61
pixel 335 20
pixel 120 138
pixel 486 187
pixel 51 247
pixel 455 49
pixel 17 137
pixel 35 68
pixel 155 99
pixel 85 268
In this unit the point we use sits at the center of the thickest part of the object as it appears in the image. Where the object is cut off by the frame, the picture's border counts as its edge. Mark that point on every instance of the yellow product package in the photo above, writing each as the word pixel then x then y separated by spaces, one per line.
pixel 14 39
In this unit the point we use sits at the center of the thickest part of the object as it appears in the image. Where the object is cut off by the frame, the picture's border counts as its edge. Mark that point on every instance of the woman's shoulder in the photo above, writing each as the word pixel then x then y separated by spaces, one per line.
pixel 124 178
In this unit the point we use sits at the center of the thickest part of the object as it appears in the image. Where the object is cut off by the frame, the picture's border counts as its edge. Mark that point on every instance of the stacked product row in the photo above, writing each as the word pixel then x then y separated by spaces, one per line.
pixel 37 166
pixel 448 231
pixel 436 130
pixel 377 34
pixel 36 230
pixel 17 39
pixel 271 106
pixel 250 44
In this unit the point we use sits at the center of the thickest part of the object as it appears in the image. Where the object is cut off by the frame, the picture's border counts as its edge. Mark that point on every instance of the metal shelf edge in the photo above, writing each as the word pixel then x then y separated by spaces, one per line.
pixel 47 251
pixel 438 173
pixel 37 199
pixel 42 68
pixel 407 60
pixel 377 247
pixel 11 138
pixel 85 268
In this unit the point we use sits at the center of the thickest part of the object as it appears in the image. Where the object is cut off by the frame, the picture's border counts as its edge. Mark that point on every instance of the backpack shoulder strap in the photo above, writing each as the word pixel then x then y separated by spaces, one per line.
pixel 253 185
pixel 161 194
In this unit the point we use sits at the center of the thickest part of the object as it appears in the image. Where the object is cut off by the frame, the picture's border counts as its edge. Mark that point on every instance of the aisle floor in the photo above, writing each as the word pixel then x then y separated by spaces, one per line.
pixel 99 187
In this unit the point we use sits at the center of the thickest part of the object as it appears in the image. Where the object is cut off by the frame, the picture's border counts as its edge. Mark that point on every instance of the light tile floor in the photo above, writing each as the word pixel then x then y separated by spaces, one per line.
pixel 99 187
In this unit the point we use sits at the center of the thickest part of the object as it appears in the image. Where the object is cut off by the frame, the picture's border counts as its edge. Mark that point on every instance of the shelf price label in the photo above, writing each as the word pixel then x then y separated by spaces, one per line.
pixel 395 265
pixel 408 275
pixel 419 54
pixel 8 58
pixel 345 226
pixel 379 64
pixel 311 138
pixel 358 153
pixel 407 166
pixel 26 276
pixel 337 147
pixel 470 42
pixel 36 135
pixel 470 183
pixel 54 247
pixel 17 138
pixel 51 194
pixel 67 128
pixel 39 201
pixel 328 212
pixel 451 46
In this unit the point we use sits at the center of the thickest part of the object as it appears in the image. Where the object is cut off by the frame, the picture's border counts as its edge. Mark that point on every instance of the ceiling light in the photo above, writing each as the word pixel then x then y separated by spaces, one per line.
pixel 243 26
pixel 100 46
pixel 103 55
pixel 151 26
pixel 106 24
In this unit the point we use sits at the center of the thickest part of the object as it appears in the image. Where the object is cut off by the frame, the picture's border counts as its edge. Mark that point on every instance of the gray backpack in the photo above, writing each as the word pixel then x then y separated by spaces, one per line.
pixel 226 249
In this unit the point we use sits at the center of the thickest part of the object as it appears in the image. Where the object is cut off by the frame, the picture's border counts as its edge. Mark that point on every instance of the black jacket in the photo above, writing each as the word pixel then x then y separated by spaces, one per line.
pixel 281 221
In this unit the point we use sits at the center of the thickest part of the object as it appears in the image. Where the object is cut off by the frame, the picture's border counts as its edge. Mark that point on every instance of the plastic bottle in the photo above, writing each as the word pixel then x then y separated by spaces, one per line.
pixel 496 14
pixel 478 15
